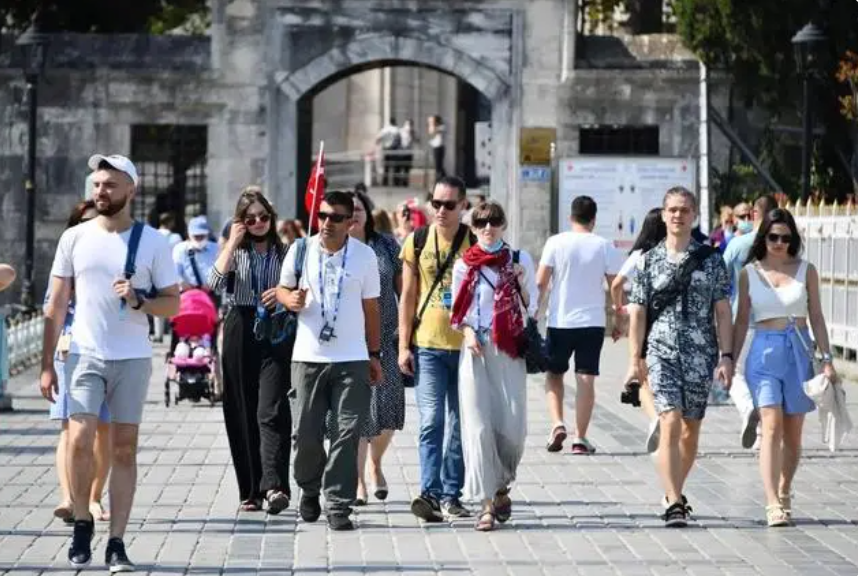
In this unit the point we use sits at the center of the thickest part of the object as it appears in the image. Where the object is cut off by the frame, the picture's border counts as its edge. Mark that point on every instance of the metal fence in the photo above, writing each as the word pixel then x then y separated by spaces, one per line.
pixel 20 345
pixel 831 243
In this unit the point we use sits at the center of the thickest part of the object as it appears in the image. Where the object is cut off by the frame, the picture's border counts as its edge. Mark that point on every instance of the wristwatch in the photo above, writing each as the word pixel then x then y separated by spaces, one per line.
pixel 375 354
pixel 140 301
pixel 827 358
pixel 727 355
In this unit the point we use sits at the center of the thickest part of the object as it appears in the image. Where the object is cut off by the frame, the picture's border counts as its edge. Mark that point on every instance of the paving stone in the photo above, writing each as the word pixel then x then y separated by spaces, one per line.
pixel 592 516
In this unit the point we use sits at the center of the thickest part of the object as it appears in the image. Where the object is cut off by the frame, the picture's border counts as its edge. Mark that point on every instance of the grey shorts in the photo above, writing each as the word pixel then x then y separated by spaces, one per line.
pixel 122 383
pixel 673 388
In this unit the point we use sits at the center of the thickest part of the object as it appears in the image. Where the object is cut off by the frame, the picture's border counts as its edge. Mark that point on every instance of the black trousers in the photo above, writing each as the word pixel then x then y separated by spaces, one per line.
pixel 438 157
pixel 256 410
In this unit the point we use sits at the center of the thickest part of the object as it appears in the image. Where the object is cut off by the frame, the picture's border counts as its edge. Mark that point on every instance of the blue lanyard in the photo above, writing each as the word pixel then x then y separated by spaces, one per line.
pixel 339 285
pixel 254 280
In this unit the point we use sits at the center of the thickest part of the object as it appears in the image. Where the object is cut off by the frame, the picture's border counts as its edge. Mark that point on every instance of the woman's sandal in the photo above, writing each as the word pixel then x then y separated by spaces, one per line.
pixel 98 512
pixel 486 521
pixel 786 504
pixel 250 505
pixel 278 501
pixel 65 512
pixel 502 505
pixel 776 517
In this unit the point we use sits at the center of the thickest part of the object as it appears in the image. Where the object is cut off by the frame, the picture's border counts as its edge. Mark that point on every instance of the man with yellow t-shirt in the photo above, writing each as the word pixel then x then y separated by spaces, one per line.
pixel 429 350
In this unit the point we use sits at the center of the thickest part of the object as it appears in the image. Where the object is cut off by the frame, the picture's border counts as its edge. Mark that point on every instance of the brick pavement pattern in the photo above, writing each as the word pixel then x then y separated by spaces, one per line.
pixel 592 516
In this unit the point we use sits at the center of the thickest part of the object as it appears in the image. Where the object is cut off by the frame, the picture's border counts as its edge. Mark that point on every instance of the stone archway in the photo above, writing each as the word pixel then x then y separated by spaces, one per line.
pixel 478 49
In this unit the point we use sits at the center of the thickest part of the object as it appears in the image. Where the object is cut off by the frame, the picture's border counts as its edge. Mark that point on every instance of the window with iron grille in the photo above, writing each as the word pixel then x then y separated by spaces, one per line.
pixel 619 140
pixel 171 162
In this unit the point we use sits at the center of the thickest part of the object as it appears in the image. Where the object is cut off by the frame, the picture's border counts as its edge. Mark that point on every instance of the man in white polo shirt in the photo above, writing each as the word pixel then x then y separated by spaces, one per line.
pixel 110 356
pixel 336 357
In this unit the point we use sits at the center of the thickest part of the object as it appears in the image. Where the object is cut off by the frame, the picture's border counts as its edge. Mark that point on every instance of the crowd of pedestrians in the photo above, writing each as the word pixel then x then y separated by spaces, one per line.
pixel 329 329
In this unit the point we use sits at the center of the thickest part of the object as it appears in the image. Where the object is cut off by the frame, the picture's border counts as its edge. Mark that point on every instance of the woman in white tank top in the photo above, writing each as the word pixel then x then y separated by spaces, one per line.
pixel 781 292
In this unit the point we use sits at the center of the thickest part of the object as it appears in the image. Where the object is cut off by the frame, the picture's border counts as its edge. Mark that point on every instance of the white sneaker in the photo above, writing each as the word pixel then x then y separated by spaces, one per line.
pixel 653 436
pixel 750 421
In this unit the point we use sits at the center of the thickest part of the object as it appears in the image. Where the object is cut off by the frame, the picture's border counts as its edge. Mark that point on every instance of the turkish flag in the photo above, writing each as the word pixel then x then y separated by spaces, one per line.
pixel 315 190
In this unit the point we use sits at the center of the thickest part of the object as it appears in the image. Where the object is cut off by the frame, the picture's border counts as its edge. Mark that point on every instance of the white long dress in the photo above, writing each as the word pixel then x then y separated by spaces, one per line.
pixel 492 395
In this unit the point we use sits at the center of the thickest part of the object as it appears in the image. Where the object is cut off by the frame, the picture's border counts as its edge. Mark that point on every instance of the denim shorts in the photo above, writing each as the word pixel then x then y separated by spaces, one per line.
pixel 777 366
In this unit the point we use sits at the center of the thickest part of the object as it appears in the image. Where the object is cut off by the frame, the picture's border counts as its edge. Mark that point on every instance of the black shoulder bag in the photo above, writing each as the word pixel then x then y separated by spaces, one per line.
pixel 660 300
pixel 532 346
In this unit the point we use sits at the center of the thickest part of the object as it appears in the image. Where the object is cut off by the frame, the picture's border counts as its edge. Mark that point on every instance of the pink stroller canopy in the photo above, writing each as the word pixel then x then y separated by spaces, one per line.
pixel 197 315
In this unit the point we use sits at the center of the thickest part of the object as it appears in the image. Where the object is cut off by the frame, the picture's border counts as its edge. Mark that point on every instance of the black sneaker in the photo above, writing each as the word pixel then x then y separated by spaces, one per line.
pixel 688 509
pixel 676 516
pixel 340 522
pixel 116 558
pixel 80 551
pixel 454 509
pixel 427 508
pixel 310 509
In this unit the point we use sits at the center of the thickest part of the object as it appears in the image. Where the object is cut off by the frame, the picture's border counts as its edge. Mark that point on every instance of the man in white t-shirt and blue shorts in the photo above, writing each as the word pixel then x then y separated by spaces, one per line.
pixel 571 277
pixel 111 356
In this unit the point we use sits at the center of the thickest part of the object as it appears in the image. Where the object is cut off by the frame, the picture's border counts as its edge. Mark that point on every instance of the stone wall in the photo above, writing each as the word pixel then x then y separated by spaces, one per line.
pixel 93 90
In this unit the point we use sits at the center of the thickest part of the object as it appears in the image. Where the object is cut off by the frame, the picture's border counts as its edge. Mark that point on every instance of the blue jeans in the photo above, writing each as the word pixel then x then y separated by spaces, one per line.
pixel 442 467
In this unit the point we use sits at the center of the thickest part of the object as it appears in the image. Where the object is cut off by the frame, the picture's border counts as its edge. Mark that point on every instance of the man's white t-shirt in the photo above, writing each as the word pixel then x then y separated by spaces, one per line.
pixel 580 261
pixel 360 282
pixel 95 259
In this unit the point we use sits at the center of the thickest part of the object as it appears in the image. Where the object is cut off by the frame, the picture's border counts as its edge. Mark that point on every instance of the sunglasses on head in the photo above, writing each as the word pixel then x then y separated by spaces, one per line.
pixel 779 238
pixel 493 221
pixel 333 217
pixel 252 220
pixel 448 204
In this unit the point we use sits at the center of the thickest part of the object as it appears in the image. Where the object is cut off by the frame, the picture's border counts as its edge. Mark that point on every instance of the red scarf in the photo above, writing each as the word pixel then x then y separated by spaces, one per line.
pixel 508 322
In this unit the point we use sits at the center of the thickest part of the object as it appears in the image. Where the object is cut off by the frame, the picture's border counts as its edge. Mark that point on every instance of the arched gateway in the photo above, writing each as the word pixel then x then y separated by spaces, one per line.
pixel 308 48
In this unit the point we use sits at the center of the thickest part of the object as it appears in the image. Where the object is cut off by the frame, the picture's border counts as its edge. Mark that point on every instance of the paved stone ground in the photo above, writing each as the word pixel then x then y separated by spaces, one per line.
pixel 574 515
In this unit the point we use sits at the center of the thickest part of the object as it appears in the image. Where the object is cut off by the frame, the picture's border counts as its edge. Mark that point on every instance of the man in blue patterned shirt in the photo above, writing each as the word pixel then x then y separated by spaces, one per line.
pixel 680 296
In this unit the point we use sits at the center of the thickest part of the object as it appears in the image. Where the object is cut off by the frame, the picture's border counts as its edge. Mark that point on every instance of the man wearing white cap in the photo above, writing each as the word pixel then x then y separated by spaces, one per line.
pixel 110 356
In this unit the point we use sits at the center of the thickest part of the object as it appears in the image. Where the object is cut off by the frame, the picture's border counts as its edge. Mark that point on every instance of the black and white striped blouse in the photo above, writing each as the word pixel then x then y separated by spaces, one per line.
pixel 265 265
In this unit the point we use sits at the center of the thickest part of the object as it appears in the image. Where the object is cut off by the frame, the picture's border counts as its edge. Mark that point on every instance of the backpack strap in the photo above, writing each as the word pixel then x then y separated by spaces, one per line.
pixel 195 268
pixel 133 245
pixel 420 237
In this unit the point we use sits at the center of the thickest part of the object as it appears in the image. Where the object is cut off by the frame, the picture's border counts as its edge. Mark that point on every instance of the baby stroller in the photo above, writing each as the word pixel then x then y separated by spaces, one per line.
pixel 191 362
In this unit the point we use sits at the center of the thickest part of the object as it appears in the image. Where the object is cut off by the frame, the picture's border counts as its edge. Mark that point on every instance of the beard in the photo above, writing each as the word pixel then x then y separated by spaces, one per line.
pixel 112 208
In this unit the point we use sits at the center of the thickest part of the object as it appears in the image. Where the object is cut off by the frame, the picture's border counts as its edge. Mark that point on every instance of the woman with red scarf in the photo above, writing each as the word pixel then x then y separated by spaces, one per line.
pixel 491 284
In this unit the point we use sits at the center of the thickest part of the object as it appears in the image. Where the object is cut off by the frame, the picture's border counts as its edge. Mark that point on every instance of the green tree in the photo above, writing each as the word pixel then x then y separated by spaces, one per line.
pixel 751 41
pixel 106 16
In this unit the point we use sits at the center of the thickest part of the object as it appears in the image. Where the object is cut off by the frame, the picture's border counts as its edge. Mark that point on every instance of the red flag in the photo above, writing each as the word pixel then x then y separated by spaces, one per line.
pixel 315 189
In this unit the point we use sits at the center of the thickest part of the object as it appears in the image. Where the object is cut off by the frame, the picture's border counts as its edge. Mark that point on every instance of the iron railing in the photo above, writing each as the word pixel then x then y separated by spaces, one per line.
pixel 20 346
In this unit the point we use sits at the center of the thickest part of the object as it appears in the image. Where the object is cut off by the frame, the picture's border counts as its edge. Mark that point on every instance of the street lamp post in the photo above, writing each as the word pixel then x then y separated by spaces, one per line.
pixel 33 45
pixel 807 43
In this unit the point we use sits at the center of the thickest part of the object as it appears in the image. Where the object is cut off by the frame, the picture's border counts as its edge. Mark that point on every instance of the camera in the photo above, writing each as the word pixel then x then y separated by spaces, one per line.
pixel 631 393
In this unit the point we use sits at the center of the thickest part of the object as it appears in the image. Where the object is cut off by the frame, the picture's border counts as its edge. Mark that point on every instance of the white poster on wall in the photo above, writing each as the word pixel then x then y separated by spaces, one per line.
pixel 624 188
pixel 483 149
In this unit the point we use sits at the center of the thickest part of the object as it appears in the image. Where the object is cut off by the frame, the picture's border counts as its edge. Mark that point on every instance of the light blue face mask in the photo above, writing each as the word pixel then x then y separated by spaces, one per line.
pixel 492 248
pixel 745 226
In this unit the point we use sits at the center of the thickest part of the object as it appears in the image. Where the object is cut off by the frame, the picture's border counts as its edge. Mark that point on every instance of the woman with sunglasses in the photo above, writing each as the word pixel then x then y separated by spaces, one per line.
pixel 780 291
pixel 491 282
pixel 387 406
pixel 255 361
pixel 82 212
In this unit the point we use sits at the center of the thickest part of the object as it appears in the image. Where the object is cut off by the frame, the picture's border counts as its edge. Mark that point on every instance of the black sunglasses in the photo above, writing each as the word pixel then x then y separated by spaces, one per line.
pixel 333 217
pixel 494 221
pixel 448 204
pixel 779 238
pixel 251 220
pixel 742 216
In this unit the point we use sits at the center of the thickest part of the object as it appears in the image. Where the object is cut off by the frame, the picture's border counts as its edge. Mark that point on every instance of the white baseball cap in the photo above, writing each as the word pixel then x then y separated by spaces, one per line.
pixel 120 163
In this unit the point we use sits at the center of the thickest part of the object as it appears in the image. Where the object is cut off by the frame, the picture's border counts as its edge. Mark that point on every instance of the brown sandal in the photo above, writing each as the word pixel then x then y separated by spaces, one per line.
pixel 251 505
pixel 486 521
pixel 503 505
